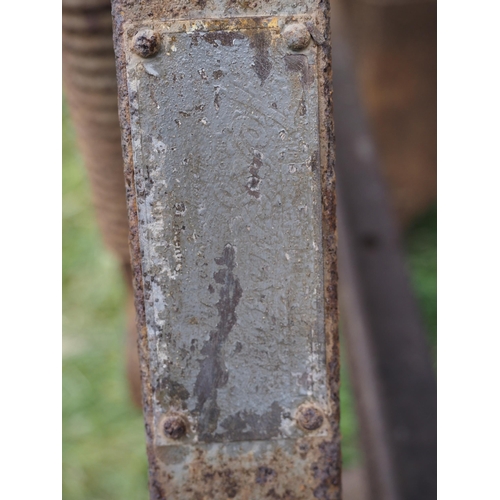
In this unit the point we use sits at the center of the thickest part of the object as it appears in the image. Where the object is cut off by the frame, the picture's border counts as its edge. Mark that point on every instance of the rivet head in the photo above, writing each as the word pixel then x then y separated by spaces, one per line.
pixel 174 427
pixel 146 43
pixel 309 418
pixel 297 36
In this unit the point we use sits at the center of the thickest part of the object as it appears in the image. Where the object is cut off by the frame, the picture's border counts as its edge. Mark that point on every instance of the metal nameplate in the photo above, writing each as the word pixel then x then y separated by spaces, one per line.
pixel 225 132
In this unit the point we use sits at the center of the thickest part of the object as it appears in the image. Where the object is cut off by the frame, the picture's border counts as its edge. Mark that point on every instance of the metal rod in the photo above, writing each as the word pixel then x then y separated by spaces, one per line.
pixel 389 359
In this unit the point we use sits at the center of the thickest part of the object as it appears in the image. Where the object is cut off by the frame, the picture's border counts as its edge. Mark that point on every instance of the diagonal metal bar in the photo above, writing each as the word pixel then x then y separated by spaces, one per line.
pixel 392 372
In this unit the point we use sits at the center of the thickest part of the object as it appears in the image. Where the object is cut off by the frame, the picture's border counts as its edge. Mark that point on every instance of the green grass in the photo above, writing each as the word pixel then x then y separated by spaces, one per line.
pixel 349 430
pixel 421 245
pixel 103 438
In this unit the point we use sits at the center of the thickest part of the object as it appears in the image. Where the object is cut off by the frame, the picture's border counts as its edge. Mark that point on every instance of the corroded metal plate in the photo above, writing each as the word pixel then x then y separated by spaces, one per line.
pixel 225 130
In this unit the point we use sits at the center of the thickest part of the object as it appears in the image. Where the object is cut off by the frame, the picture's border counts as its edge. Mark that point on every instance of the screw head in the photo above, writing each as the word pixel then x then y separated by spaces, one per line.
pixel 174 427
pixel 297 36
pixel 146 43
pixel 309 418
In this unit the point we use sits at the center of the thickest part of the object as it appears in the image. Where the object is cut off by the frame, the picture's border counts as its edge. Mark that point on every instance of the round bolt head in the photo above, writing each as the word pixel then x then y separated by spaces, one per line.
pixel 146 43
pixel 309 418
pixel 174 427
pixel 297 36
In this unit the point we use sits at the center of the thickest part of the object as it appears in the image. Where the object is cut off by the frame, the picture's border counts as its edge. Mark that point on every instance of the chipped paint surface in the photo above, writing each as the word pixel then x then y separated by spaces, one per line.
pixel 225 156
pixel 226 149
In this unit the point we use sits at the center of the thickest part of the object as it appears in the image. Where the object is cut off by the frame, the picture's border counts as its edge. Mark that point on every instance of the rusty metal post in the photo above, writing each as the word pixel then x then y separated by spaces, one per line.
pixel 226 115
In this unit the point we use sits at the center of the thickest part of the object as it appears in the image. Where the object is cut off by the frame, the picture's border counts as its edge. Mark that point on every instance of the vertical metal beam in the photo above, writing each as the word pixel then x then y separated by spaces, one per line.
pixel 226 115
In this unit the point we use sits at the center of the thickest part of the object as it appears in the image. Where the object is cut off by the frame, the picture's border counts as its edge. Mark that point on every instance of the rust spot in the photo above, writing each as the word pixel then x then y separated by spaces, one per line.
pixel 217 98
pixel 302 107
pixel 264 474
pixel 218 74
pixel 287 495
pixel 195 39
pixel 327 470
pixel 180 208
pixel 213 373
pixel 230 484
pixel 303 450
pixel 260 41
pixel 208 476
pixel 313 161
pixel 253 183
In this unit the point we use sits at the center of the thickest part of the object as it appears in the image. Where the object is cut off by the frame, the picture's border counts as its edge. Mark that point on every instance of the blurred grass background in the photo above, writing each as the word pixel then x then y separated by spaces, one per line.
pixel 103 439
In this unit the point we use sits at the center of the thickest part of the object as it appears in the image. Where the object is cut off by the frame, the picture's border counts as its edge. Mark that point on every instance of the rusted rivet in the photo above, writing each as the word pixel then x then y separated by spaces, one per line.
pixel 146 43
pixel 174 427
pixel 297 36
pixel 309 418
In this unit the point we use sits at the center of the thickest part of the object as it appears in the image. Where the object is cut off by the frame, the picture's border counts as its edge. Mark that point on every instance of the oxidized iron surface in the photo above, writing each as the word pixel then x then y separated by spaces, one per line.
pixel 228 167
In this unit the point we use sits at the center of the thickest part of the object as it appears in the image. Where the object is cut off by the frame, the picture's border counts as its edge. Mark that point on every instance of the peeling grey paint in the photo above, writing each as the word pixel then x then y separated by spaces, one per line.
pixel 231 200
pixel 213 373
